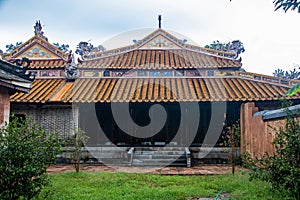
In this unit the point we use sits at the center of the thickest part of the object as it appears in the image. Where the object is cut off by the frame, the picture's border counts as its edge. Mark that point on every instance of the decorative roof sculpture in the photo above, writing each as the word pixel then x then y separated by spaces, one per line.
pixel 63 47
pixel 38 30
pixel 235 46
pixel 11 47
pixel 87 48
pixel 71 69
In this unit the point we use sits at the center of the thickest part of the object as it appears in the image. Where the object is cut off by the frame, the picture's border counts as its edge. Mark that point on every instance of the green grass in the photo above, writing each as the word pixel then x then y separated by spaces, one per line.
pixel 113 186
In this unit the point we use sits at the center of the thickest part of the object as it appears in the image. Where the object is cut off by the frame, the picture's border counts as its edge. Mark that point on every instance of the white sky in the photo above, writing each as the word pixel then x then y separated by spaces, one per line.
pixel 271 39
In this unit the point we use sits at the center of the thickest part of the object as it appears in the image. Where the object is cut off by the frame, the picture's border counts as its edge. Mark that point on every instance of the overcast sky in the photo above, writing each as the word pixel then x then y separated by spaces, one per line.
pixel 271 39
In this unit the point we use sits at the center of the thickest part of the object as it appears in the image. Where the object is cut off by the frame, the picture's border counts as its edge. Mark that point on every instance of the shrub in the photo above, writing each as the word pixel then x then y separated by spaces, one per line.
pixel 232 139
pixel 77 142
pixel 25 153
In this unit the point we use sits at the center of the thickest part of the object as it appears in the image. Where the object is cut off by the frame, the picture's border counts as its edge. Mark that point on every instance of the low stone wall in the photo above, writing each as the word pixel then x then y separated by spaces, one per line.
pixel 258 129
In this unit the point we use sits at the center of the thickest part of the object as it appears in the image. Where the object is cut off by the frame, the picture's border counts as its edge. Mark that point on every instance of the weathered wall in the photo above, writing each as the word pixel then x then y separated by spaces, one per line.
pixel 4 106
pixel 53 118
pixel 257 134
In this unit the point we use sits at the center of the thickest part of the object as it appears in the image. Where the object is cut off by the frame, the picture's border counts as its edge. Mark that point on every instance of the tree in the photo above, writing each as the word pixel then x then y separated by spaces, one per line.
pixel 287 5
pixel 293 90
pixel 232 139
pixel 77 142
pixel 25 153
pixel 282 169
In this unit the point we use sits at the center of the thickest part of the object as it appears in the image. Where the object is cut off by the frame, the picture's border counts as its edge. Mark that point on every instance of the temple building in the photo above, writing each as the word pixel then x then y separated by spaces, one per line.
pixel 159 69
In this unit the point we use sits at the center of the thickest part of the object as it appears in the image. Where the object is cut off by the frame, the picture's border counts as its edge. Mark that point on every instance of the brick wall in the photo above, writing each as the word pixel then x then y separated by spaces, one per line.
pixel 257 134
pixel 53 118
pixel 4 106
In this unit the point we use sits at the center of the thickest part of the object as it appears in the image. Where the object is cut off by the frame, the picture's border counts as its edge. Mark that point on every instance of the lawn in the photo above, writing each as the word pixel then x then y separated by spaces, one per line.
pixel 104 185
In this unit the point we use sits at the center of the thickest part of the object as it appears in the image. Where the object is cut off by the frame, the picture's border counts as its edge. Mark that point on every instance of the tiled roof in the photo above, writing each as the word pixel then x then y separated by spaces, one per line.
pixel 47 64
pixel 152 90
pixel 14 77
pixel 161 59
pixel 41 91
pixel 11 77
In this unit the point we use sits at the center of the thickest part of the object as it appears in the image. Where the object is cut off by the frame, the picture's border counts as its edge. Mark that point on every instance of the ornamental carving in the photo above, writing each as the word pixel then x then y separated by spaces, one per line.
pixel 22 67
pixel 63 47
pixel 37 52
pixel 87 48
pixel 11 47
pixel 160 42
pixel 235 46
pixel 71 69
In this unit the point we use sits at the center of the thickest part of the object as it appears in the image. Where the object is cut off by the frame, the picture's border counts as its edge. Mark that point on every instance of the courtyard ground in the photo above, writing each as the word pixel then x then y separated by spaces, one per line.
pixel 203 169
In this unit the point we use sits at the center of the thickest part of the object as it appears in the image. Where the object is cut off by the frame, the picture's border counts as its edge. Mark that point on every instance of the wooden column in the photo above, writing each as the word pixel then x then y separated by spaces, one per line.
pixel 4 106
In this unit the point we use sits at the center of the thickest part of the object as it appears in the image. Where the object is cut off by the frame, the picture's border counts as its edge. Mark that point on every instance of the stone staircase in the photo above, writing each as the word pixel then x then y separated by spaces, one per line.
pixel 148 156
pixel 159 156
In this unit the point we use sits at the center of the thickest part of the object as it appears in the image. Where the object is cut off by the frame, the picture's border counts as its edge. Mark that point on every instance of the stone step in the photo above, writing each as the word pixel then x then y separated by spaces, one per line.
pixel 159 152
pixel 158 156
pixel 159 148
pixel 154 160
pixel 157 162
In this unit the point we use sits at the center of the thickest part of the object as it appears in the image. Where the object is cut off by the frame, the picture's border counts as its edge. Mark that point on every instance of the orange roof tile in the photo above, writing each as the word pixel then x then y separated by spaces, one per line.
pixel 160 59
pixel 47 64
pixel 41 91
pixel 151 90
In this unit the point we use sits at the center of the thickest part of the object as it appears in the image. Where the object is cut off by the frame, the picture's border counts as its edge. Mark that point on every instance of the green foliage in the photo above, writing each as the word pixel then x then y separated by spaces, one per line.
pixel 77 141
pixel 294 90
pixel 25 153
pixel 123 186
pixel 287 5
pixel 282 169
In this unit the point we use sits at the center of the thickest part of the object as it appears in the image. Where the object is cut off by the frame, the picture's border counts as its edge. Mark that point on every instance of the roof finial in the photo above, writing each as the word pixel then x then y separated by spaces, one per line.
pixel 159 21
pixel 38 30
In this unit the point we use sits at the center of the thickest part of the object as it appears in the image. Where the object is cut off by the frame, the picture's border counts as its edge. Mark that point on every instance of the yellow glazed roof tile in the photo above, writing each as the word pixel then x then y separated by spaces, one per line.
pixel 151 90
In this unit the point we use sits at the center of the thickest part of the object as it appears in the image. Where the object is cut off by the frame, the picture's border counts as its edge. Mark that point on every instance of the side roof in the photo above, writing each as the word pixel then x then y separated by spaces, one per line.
pixel 14 77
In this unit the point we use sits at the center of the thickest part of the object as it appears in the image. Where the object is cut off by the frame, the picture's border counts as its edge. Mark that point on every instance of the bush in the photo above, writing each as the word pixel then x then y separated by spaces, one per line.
pixel 25 153
pixel 282 169
pixel 232 139
pixel 77 141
